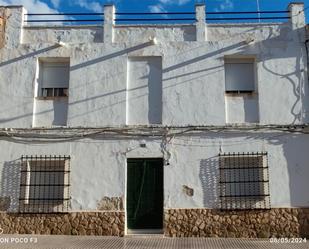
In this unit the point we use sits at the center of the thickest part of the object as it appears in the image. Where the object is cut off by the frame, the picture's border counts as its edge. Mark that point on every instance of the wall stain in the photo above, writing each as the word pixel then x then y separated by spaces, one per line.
pixel 110 204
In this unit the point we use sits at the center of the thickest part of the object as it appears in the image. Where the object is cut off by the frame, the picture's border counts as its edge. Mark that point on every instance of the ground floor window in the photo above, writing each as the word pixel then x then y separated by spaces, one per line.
pixel 244 181
pixel 44 184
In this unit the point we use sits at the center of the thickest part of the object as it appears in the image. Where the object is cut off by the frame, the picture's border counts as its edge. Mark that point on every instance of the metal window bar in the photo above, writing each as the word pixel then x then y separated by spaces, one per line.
pixel 44 184
pixel 54 92
pixel 244 181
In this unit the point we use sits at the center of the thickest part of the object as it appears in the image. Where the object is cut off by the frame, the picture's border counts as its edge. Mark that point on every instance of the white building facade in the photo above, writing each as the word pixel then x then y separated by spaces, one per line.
pixel 185 129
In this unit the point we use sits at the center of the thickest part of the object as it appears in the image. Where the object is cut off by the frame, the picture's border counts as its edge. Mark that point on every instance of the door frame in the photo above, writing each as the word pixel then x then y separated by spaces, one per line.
pixel 141 231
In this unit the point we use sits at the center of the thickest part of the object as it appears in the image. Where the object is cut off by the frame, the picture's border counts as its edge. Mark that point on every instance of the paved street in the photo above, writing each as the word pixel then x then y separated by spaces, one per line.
pixel 80 242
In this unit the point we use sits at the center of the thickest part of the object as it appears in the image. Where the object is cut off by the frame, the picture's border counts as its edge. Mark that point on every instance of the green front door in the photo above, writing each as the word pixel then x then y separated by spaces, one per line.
pixel 145 193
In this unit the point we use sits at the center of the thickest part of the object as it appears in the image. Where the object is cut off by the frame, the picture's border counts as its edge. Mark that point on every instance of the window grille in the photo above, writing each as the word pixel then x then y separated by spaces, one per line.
pixel 244 181
pixel 54 92
pixel 45 184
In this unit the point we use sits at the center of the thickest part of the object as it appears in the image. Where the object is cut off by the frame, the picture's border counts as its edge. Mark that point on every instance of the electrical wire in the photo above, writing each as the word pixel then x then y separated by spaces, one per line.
pixel 165 133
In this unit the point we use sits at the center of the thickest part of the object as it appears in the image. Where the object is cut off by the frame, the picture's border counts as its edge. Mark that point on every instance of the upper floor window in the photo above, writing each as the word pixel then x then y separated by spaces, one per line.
pixel 239 75
pixel 54 78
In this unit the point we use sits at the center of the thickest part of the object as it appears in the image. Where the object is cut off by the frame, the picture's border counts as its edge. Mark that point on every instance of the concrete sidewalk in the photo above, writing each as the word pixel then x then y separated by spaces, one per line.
pixel 134 242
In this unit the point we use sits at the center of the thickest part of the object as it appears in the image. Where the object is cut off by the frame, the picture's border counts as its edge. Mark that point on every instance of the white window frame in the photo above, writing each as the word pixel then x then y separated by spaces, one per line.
pixel 44 92
pixel 240 60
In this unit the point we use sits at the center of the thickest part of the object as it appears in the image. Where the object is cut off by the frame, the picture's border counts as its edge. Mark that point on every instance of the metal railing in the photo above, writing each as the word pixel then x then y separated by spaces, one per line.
pixel 161 17
pixel 69 18
pixel 250 15
pixel 157 18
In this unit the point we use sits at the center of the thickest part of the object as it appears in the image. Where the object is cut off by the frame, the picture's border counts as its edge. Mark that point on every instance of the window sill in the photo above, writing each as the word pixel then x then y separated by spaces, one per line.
pixel 244 124
pixel 52 98
pixel 51 127
pixel 240 93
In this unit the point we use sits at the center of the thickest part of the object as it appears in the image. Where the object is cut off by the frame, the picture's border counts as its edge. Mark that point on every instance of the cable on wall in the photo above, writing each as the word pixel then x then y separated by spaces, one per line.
pixel 168 132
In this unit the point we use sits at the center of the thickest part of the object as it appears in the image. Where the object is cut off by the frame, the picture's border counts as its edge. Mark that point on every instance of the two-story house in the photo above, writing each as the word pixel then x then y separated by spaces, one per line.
pixel 195 129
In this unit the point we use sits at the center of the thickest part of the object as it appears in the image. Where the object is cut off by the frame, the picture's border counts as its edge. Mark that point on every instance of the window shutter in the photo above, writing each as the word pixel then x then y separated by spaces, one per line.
pixel 55 75
pixel 239 75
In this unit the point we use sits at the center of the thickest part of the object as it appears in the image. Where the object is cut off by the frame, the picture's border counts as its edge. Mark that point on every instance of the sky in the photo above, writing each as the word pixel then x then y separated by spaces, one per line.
pixel 54 6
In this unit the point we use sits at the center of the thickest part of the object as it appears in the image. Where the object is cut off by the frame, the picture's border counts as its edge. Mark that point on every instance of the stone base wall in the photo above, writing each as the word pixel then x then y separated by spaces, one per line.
pixel 81 223
pixel 277 222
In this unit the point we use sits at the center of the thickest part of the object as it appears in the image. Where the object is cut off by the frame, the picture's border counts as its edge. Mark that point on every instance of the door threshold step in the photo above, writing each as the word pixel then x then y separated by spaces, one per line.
pixel 142 236
pixel 145 232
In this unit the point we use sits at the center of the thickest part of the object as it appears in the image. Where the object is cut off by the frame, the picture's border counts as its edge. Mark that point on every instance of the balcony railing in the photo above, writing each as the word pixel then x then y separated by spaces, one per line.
pixel 157 18
pixel 65 18
pixel 247 16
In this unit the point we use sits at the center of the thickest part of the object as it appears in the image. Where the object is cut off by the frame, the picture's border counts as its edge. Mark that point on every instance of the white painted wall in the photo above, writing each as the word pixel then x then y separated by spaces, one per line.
pixel 48 34
pixel 192 72
pixel 176 33
pixel 192 94
pixel 242 108
pixel 48 113
pixel 144 91
pixel 193 162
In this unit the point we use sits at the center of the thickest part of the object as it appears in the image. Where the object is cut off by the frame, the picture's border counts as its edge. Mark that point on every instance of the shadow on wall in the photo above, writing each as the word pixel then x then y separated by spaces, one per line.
pixel 209 177
pixel 288 168
pixel 295 77
pixel 104 58
pixel 294 150
pixel 73 68
pixel 10 185
pixel 289 155
pixel 60 112
pixel 155 92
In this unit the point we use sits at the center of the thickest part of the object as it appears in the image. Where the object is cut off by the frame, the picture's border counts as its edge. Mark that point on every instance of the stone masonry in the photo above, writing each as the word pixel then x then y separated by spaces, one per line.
pixel 277 222
pixel 82 223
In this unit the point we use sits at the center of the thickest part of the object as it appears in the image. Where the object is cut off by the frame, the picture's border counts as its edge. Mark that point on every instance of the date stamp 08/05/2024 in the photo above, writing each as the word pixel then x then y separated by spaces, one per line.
pixel 33 240
pixel 288 240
